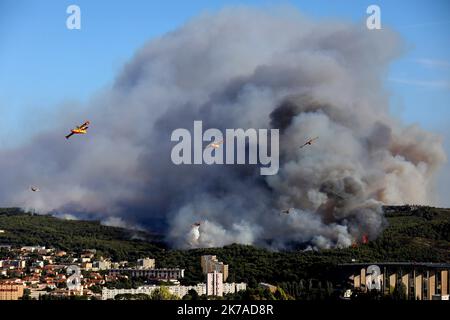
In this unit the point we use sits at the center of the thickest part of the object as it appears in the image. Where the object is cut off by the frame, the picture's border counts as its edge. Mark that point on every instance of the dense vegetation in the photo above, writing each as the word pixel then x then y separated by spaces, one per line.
pixel 23 228
pixel 421 234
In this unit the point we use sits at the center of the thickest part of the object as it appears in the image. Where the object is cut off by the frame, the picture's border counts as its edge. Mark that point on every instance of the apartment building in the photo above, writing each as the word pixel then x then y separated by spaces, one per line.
pixel 419 281
pixel 210 264
pixel 10 290
pixel 157 274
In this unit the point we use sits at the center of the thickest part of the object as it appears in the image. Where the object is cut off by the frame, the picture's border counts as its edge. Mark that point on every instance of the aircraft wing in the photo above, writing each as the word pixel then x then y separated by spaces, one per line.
pixel 84 125
pixel 212 144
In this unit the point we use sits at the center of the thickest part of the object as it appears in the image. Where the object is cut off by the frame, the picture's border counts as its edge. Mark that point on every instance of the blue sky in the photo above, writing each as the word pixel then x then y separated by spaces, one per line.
pixel 43 64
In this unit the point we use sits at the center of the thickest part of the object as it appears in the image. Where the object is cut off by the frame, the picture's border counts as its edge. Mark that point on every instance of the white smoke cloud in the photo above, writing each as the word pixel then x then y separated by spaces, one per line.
pixel 239 68
pixel 120 223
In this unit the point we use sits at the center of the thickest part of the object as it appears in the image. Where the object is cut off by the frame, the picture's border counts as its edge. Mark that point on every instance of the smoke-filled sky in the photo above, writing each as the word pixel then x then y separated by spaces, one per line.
pixel 238 68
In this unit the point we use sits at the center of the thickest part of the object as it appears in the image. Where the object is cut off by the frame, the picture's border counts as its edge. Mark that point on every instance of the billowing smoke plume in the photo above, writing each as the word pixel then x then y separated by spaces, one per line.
pixel 240 68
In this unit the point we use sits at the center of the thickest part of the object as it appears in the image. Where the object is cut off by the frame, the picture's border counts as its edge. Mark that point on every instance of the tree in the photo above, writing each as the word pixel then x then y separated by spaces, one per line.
pixel 129 296
pixel 281 295
pixel 399 292
pixel 96 289
pixel 26 294
pixel 163 293
pixel 191 295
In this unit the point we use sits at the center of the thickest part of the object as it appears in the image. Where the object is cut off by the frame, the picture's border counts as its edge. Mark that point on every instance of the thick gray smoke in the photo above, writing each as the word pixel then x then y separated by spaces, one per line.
pixel 240 68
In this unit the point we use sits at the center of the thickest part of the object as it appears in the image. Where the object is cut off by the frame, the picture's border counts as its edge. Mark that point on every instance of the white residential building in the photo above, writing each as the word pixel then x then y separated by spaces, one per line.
pixel 179 291
pixel 111 293
pixel 161 274
pixel 102 265
pixel 36 294
pixel 214 284
pixel 146 263
pixel 32 248
pixel 234 287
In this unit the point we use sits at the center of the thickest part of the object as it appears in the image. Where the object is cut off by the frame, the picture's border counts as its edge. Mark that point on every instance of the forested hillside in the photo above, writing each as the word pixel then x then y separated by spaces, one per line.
pixel 412 234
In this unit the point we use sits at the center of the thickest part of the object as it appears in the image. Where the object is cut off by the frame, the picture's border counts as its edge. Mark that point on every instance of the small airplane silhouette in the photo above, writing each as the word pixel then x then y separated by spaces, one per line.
pixel 34 189
pixel 215 145
pixel 79 130
pixel 309 142
pixel 287 211
pixel 196 224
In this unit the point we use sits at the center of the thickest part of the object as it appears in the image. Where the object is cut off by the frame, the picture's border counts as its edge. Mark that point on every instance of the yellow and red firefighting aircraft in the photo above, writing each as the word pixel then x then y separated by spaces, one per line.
pixel 215 144
pixel 79 130
pixel 309 142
